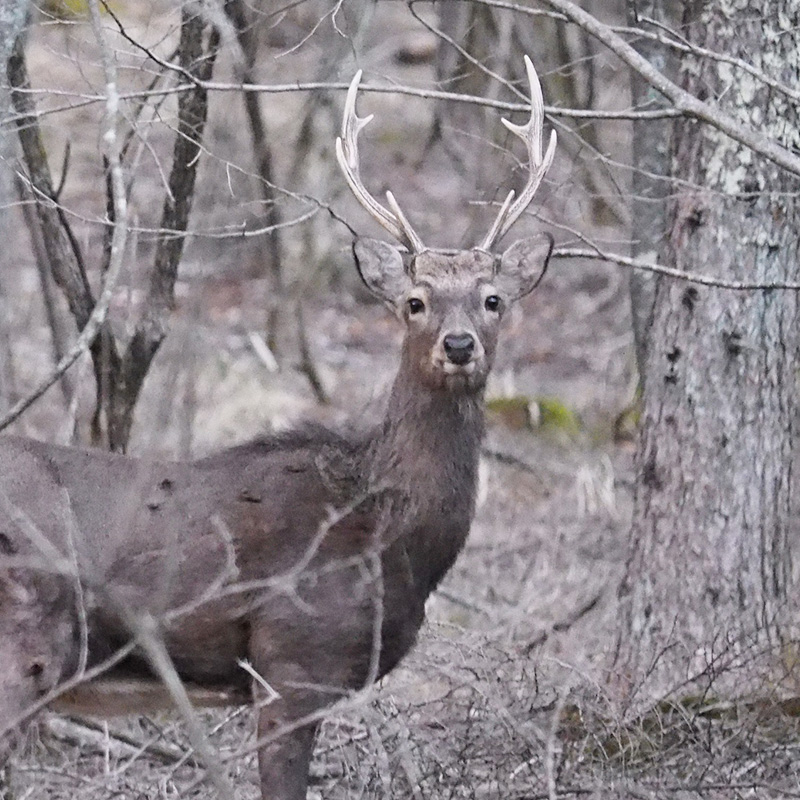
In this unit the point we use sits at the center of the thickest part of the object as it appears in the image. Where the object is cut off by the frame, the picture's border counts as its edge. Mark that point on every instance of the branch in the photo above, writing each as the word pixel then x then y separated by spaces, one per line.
pixel 262 150
pixel 60 245
pixel 318 86
pixel 145 628
pixel 63 253
pixel 87 732
pixel 683 101
pixel 671 272
pixel 670 38
pixel 192 114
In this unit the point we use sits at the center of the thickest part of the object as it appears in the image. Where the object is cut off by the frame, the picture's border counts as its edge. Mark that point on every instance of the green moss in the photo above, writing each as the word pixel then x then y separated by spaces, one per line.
pixel 627 421
pixel 557 417
pixel 65 9
pixel 513 412
pixel 544 414
pixel 70 9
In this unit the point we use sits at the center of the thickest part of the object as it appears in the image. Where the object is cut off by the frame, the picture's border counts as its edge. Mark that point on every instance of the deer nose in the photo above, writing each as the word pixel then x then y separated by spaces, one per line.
pixel 458 347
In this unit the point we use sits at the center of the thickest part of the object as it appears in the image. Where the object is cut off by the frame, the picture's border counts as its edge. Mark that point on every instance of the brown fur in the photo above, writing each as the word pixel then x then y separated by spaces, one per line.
pixel 281 551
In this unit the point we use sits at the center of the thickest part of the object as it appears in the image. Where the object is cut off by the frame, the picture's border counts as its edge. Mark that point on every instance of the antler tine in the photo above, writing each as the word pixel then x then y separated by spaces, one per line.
pixel 347 155
pixel 531 134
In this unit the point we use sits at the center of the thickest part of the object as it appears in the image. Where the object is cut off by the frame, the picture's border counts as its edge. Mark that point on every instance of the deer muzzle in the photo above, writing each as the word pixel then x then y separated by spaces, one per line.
pixel 459 348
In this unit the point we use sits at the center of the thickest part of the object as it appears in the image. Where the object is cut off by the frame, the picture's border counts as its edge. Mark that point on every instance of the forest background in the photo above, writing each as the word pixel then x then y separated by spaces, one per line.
pixel 623 620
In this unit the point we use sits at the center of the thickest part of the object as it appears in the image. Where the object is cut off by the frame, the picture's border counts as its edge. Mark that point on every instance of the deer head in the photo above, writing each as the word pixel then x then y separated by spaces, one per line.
pixel 451 301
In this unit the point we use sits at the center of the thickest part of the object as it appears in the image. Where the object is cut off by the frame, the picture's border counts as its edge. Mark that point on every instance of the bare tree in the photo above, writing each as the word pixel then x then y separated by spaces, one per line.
pixel 246 32
pixel 197 52
pixel 120 367
pixel 711 550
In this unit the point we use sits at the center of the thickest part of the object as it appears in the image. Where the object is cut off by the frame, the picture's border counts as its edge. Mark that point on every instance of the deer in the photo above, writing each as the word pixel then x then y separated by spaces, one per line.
pixel 307 556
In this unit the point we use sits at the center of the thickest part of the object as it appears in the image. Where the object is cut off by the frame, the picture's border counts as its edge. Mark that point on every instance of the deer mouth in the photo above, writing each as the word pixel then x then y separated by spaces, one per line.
pixel 460 377
pixel 449 368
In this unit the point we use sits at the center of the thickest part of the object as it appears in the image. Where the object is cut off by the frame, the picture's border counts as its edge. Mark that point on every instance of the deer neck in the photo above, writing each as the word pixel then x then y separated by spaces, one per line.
pixel 429 446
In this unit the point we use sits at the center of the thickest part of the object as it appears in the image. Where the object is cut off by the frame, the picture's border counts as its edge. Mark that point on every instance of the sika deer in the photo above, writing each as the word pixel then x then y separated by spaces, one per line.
pixel 239 555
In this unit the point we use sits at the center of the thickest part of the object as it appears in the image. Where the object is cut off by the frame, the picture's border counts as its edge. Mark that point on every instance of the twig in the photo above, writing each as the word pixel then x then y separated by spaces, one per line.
pixel 307 365
pixel 471 605
pixel 98 314
pixel 88 732
pixel 682 45
pixel 262 351
pixel 552 737
pixel 145 628
pixel 64 254
pixel 262 151
pixel 63 689
pixel 58 328
pixel 510 460
pixel 82 345
pixel 197 53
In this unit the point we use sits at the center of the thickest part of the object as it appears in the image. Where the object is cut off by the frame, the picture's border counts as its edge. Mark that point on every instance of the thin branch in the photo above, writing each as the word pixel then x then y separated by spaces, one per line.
pixel 671 272
pixel 683 101
pixel 62 689
pixel 198 50
pixel 318 86
pixel 59 333
pixel 84 731
pixel 307 364
pixel 231 231
pixel 84 340
pixel 262 150
pixel 63 251
pixel 462 51
pixel 149 639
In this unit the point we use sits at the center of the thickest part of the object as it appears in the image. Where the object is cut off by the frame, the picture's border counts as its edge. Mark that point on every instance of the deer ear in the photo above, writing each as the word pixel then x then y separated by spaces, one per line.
pixel 523 265
pixel 381 268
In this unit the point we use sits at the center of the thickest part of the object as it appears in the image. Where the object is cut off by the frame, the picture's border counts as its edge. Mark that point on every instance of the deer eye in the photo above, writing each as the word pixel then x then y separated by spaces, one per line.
pixel 415 305
pixel 492 303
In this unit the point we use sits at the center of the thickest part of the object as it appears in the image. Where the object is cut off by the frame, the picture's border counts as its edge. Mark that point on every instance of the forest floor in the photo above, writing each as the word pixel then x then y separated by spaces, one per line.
pixel 505 694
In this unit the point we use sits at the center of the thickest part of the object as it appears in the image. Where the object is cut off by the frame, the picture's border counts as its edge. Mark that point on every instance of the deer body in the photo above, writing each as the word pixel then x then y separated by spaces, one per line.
pixel 155 533
pixel 158 532
pixel 310 555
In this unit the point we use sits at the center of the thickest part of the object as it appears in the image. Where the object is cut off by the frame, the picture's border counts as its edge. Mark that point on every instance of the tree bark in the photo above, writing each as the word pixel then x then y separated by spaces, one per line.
pixel 709 563
pixel 13 16
pixel 262 149
pixel 650 180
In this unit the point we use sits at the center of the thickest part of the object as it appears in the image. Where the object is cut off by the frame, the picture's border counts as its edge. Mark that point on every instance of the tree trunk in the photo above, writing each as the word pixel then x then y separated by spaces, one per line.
pixel 650 180
pixel 12 21
pixel 709 563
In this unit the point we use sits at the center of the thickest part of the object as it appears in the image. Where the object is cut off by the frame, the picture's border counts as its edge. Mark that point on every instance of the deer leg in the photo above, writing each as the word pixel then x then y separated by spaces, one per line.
pixel 283 763
pixel 285 694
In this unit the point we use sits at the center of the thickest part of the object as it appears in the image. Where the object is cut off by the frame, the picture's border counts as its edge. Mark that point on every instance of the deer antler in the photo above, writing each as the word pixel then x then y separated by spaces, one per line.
pixel 347 156
pixel 531 134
